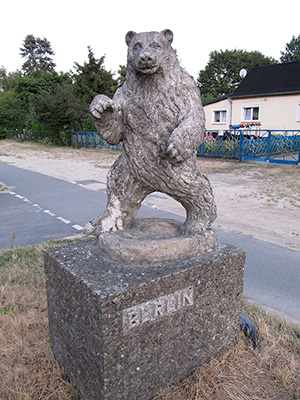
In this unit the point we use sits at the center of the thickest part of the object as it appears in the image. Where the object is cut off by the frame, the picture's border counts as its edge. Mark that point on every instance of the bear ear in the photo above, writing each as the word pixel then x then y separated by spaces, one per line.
pixel 168 35
pixel 129 36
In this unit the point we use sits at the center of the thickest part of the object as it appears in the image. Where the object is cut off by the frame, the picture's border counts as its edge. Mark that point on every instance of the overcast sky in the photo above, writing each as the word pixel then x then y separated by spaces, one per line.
pixel 199 27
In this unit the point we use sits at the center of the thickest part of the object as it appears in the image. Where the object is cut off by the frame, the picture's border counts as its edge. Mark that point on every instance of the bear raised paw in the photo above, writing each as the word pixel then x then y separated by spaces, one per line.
pixel 158 115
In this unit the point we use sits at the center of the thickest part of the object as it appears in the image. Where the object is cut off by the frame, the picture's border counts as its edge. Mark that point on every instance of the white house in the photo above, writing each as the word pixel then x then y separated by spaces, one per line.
pixel 268 97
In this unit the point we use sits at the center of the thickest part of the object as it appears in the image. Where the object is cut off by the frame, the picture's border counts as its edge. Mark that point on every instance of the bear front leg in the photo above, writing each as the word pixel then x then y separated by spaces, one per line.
pixel 179 146
pixel 107 117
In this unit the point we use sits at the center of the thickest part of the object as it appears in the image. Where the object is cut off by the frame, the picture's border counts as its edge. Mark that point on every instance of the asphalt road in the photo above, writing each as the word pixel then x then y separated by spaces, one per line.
pixel 39 208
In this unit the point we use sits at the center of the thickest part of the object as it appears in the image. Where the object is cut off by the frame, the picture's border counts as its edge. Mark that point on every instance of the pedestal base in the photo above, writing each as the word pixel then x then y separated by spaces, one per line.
pixel 125 332
pixel 151 241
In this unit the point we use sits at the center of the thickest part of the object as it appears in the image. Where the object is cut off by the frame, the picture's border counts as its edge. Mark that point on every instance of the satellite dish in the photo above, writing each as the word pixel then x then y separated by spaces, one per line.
pixel 243 73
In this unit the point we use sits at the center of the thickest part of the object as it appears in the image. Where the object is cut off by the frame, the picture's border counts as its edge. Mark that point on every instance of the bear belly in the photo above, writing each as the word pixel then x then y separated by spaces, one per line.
pixel 147 166
pixel 149 123
pixel 147 128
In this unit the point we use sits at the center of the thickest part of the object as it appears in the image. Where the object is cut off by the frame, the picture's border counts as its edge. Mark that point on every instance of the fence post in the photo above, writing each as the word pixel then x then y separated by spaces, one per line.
pixel 241 148
pixel 202 148
pixel 269 147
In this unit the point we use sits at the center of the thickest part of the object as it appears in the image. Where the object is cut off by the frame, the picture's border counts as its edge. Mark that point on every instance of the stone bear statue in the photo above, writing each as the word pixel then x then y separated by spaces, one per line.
pixel 158 115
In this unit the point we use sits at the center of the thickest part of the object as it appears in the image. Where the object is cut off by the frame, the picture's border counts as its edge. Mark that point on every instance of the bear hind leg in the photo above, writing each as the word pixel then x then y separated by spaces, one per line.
pixel 118 215
pixel 198 201
pixel 109 220
pixel 125 195
pixel 196 224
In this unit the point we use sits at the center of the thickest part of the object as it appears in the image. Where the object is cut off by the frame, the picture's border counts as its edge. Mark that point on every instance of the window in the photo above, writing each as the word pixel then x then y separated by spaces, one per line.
pixel 219 116
pixel 250 113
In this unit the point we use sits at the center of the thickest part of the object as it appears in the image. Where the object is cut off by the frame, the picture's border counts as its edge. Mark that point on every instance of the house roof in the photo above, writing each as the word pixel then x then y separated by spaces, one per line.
pixel 205 103
pixel 270 80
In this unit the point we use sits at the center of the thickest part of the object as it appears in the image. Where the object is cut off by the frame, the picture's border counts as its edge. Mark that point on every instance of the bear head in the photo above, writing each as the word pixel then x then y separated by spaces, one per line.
pixel 148 50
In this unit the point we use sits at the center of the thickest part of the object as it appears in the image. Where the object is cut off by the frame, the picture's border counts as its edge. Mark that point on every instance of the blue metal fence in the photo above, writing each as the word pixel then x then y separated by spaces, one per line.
pixel 91 139
pixel 273 146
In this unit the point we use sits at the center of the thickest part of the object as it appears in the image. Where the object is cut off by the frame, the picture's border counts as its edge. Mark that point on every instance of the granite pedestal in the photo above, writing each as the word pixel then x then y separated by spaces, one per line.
pixel 127 331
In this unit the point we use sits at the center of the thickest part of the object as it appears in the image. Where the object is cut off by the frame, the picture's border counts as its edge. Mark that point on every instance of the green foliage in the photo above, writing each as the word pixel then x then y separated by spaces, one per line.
pixel 120 78
pixel 37 127
pixel 39 80
pixel 65 137
pixel 88 123
pixel 292 51
pixel 30 87
pixel 42 101
pixel 221 74
pixel 122 75
pixel 38 54
pixel 206 97
pixel 49 104
pixel 12 112
pixel 59 111
pixel 8 80
pixel 91 79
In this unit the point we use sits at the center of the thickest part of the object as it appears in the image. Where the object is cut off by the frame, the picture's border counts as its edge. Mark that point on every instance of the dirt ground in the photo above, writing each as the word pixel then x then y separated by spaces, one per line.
pixel 259 200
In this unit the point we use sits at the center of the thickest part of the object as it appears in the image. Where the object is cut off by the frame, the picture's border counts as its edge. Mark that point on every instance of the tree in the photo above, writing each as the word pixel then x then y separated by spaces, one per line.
pixel 122 75
pixel 9 80
pixel 38 54
pixel 221 74
pixel 12 112
pixel 292 51
pixel 91 78
pixel 28 86
pixel 32 83
pixel 59 111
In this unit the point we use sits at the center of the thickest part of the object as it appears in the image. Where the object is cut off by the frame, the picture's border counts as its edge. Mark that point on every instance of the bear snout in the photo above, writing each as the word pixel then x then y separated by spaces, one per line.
pixel 147 62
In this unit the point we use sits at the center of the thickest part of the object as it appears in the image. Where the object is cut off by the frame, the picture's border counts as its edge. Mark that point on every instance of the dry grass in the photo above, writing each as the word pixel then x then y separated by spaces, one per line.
pixel 272 372
pixel 28 370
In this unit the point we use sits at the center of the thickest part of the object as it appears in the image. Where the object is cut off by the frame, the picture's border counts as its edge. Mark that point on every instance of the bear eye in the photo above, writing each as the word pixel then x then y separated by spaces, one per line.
pixel 137 46
pixel 155 45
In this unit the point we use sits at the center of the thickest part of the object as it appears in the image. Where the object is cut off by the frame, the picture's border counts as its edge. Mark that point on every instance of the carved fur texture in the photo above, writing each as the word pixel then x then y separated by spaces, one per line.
pixel 158 115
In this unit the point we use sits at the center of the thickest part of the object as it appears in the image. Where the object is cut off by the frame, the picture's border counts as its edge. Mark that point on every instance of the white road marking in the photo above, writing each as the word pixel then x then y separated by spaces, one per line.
pixel 65 221
pixel 49 213
pixel 52 214
pixel 78 227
